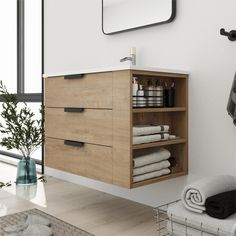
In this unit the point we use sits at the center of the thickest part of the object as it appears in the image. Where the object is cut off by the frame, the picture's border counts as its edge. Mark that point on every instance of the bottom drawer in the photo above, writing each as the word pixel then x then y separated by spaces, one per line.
pixel 89 160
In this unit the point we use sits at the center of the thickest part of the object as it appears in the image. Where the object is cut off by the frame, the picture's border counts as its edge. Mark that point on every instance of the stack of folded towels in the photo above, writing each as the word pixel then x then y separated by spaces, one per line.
pixel 208 205
pixel 150 133
pixel 150 163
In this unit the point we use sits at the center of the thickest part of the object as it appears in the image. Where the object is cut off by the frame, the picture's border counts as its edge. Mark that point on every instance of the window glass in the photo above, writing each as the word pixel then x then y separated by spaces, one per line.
pixel 8 44
pixel 33 46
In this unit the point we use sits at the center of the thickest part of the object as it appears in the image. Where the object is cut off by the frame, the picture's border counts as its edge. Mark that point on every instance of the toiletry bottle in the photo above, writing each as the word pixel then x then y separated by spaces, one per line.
pixel 135 86
pixel 149 93
pixel 169 95
pixel 159 94
pixel 141 100
pixel 135 90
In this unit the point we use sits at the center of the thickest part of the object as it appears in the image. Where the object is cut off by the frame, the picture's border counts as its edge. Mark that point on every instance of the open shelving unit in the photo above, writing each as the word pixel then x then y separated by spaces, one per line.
pixel 176 117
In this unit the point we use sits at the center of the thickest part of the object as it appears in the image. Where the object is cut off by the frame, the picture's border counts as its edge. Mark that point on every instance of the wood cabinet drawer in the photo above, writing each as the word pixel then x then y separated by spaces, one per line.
pixel 90 160
pixel 89 91
pixel 89 126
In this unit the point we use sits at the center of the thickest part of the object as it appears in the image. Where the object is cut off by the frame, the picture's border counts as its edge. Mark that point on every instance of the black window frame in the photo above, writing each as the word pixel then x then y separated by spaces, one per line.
pixel 21 95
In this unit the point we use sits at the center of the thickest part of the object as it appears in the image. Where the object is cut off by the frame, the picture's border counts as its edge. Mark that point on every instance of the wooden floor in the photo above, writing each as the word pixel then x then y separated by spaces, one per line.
pixel 96 212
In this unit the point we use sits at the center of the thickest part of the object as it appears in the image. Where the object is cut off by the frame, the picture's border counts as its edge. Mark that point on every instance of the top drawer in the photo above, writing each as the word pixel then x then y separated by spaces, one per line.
pixel 87 91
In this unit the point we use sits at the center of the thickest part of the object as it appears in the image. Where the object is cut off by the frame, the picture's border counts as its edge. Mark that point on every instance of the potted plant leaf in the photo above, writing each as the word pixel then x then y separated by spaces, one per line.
pixel 20 130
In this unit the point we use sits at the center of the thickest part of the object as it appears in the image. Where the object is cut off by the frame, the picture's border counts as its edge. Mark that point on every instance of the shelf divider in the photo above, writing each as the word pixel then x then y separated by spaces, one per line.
pixel 164 109
pixel 159 144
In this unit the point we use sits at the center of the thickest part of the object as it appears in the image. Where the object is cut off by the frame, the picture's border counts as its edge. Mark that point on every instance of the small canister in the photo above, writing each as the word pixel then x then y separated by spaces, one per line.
pixel 158 93
pixel 169 95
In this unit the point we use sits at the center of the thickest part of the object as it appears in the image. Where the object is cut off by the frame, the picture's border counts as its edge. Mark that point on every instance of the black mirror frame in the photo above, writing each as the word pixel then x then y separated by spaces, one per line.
pixel 172 17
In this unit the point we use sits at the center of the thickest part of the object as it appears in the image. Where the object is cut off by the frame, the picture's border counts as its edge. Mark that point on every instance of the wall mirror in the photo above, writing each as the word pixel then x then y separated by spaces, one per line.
pixel 124 15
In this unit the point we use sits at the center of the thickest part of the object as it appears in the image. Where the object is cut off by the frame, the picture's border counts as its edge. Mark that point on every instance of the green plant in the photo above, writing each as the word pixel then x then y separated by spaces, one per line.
pixel 19 129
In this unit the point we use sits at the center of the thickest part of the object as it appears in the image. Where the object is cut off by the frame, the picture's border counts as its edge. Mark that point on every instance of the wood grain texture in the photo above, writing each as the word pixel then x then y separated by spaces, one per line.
pixel 158 74
pixel 176 118
pixel 157 110
pixel 91 161
pixel 108 119
pixel 91 91
pixel 90 126
pixel 159 144
pixel 122 125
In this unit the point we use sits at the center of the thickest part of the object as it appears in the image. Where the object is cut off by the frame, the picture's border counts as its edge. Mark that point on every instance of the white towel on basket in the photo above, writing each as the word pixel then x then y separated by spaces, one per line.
pixel 150 155
pixel 151 175
pixel 149 129
pixel 150 138
pixel 150 168
pixel 179 214
pixel 194 195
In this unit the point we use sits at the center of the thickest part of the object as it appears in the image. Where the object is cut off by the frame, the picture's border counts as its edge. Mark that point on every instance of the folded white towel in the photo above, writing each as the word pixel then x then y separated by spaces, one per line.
pixel 150 168
pixel 150 129
pixel 151 175
pixel 195 194
pixel 150 155
pixel 179 214
pixel 150 138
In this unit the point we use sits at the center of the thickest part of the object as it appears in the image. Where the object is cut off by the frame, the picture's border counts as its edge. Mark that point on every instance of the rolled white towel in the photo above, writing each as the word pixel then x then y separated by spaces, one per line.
pixel 150 138
pixel 150 168
pixel 151 175
pixel 179 214
pixel 149 129
pixel 194 195
pixel 150 155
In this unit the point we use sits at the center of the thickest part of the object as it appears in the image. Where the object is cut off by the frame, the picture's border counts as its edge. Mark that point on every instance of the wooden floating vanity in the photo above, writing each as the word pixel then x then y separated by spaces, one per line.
pixel 89 119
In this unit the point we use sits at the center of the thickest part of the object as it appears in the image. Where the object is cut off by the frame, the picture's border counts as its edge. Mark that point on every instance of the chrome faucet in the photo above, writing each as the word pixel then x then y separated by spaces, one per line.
pixel 131 58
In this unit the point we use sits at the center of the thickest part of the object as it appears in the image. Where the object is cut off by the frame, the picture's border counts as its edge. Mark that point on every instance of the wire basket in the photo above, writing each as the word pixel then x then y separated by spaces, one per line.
pixel 181 226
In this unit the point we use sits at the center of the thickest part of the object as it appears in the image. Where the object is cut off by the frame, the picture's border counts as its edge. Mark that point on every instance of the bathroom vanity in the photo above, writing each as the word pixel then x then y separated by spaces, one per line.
pixel 89 119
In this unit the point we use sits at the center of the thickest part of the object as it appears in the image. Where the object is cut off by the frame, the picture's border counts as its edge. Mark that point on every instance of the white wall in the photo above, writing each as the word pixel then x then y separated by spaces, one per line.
pixel 73 40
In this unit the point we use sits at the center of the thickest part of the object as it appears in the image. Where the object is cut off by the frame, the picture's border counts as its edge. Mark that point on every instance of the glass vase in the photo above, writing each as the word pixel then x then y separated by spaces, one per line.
pixel 26 172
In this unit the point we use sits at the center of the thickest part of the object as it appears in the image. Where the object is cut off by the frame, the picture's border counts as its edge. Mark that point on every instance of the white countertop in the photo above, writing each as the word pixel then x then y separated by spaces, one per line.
pixel 113 68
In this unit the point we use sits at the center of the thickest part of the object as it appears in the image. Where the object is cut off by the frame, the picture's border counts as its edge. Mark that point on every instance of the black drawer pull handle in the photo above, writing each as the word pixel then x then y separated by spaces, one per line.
pixel 73 143
pixel 78 76
pixel 71 109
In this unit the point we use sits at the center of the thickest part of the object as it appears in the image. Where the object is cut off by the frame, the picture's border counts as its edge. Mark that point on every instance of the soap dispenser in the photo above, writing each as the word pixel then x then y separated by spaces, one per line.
pixel 141 100
pixel 135 90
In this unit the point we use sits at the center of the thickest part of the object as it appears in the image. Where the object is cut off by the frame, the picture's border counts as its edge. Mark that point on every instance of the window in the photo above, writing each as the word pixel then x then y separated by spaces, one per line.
pixel 21 55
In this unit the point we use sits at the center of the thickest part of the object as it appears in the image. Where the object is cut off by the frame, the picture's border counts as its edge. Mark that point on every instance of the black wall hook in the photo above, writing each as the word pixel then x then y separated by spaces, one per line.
pixel 231 35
